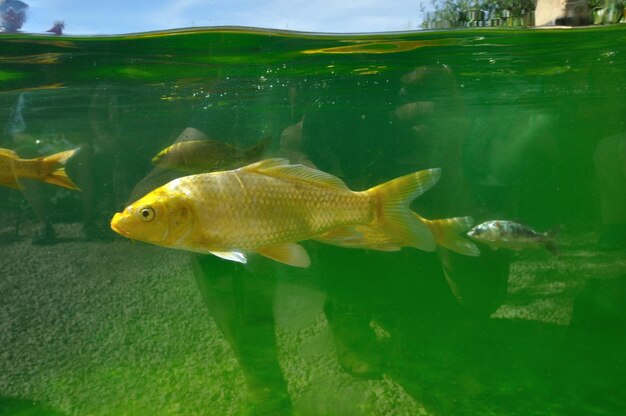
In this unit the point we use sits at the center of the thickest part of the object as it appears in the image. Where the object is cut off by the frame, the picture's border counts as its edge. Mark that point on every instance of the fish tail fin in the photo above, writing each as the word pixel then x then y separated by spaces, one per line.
pixel 394 214
pixel 551 244
pixel 57 175
pixel 449 233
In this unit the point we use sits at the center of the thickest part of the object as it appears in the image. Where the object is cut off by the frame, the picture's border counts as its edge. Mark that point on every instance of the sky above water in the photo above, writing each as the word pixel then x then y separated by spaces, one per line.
pixel 88 17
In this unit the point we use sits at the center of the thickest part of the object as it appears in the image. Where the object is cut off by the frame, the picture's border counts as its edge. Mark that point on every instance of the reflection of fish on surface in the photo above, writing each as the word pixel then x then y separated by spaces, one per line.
pixel 200 156
pixel 447 233
pixel 49 169
pixel 268 206
pixel 513 235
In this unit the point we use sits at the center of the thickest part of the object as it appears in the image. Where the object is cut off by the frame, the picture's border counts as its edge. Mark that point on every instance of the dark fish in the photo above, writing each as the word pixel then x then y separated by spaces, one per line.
pixel 513 235
pixel 200 156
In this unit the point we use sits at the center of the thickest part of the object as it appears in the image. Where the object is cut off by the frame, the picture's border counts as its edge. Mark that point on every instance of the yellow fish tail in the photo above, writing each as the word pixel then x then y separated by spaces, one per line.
pixel 57 175
pixel 395 216
pixel 449 233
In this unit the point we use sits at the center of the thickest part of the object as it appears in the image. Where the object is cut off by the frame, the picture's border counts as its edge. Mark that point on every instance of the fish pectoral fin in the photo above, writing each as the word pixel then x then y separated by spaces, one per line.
pixel 237 256
pixel 291 254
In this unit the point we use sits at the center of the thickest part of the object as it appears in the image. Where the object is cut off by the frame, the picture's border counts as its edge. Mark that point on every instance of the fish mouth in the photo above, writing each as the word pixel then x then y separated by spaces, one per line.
pixel 116 227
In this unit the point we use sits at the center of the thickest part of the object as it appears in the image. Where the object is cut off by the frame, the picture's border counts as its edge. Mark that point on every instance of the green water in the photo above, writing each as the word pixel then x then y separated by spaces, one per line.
pixel 526 125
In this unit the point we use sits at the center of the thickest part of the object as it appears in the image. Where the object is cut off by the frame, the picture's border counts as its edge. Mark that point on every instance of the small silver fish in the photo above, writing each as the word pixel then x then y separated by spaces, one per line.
pixel 512 235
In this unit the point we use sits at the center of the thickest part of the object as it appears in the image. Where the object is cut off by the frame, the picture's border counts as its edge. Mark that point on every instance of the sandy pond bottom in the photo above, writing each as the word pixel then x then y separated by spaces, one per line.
pixel 95 328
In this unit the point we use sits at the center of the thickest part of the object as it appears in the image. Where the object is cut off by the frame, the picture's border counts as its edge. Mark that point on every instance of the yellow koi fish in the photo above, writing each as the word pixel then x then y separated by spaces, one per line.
pixel 200 156
pixel 447 233
pixel 267 207
pixel 49 169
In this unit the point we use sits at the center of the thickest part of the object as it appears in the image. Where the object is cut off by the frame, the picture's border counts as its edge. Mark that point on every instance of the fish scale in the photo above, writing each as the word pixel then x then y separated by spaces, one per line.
pixel 302 210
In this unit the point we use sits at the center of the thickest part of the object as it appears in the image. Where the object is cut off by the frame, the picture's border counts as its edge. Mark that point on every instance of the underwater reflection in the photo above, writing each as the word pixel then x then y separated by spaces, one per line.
pixel 42 129
pixel 523 134
pixel 422 319
pixel 414 316
pixel 240 298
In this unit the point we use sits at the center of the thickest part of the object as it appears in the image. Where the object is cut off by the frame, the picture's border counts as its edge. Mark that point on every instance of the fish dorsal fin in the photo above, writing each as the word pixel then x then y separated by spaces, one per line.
pixel 8 153
pixel 291 254
pixel 280 168
pixel 230 255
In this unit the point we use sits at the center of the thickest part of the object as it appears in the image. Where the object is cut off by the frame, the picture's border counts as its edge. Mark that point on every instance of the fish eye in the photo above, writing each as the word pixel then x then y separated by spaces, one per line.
pixel 146 213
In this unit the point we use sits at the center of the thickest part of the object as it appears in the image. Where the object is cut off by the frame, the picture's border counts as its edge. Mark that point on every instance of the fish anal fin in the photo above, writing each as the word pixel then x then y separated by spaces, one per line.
pixel 291 254
pixel 280 168
pixel 359 236
pixel 386 247
pixel 347 235
pixel 13 184
pixel 230 255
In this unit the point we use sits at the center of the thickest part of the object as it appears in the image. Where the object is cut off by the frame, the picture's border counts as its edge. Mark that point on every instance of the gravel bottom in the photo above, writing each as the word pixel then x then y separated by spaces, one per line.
pixel 116 328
